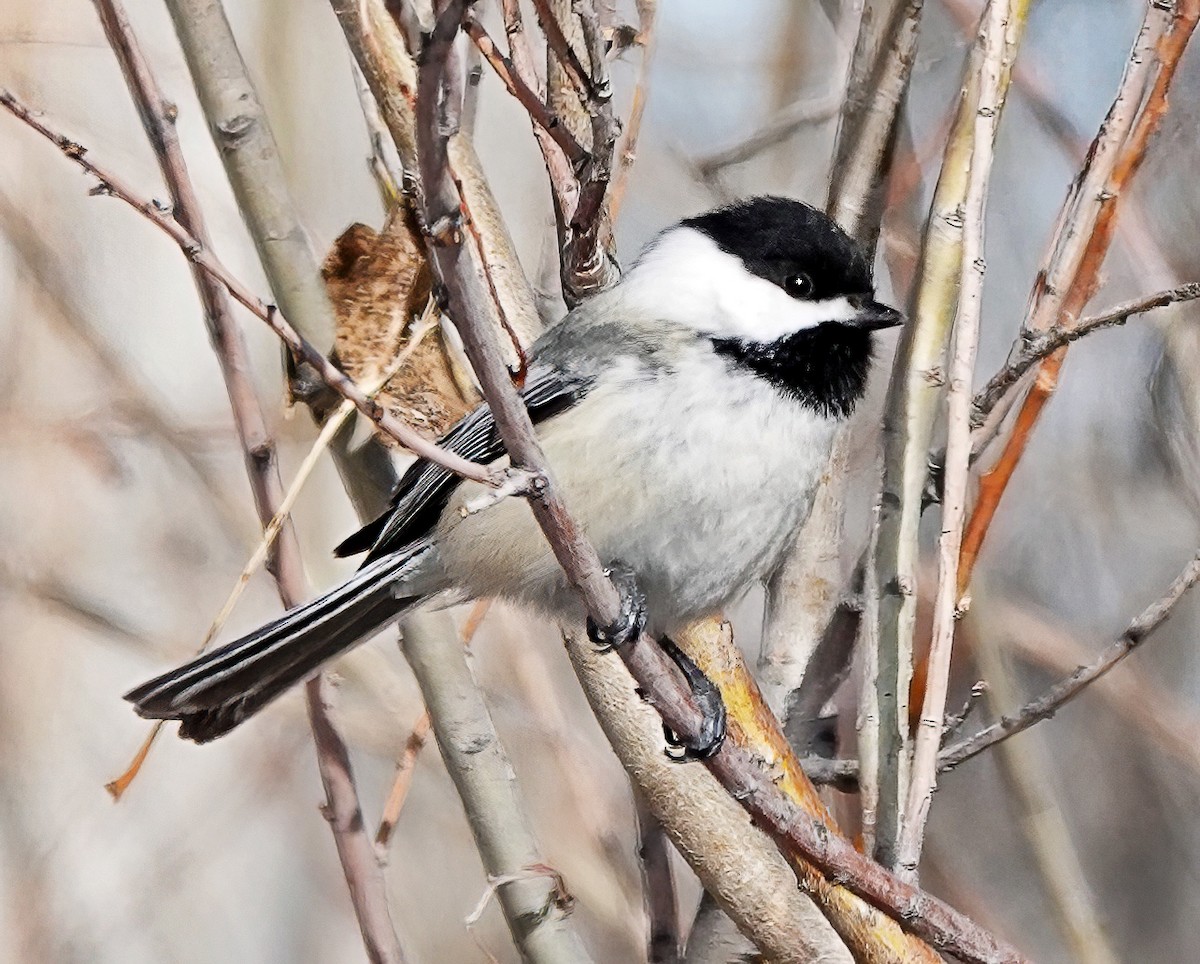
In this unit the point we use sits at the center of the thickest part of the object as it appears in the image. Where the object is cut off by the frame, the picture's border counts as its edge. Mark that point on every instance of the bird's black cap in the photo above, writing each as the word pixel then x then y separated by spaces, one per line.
pixel 776 237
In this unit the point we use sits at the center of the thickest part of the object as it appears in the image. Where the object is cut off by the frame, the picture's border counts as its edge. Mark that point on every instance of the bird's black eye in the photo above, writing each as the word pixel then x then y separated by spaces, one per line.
pixel 798 285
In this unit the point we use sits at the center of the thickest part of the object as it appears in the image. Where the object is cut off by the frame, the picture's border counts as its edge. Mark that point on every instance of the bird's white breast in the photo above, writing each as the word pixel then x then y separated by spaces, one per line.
pixel 695 477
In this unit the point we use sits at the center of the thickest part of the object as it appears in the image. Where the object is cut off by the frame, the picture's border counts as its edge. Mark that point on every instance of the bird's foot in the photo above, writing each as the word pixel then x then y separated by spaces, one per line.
pixel 631 619
pixel 711 735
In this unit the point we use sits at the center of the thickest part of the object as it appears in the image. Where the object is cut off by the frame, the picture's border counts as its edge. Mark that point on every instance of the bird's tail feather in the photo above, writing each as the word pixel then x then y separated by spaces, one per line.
pixel 218 690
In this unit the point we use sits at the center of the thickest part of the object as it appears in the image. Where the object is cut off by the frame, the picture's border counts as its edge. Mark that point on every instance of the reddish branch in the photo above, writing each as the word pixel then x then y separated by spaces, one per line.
pixel 1169 28
pixel 202 257
pixel 795 831
pixel 579 175
pixel 368 893
pixel 528 98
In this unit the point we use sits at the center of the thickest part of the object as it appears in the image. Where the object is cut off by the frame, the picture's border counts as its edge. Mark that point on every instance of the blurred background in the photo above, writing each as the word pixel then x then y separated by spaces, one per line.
pixel 125 516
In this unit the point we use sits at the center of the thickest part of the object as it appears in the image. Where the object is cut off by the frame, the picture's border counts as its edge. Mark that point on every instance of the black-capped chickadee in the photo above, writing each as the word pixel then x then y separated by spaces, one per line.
pixel 686 413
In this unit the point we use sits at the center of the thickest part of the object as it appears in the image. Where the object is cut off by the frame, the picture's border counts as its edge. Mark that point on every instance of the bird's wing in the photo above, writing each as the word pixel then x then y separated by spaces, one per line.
pixel 425 488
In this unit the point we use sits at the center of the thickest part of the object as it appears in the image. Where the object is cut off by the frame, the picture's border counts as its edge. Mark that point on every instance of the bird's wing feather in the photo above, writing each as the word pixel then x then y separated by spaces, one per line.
pixel 425 488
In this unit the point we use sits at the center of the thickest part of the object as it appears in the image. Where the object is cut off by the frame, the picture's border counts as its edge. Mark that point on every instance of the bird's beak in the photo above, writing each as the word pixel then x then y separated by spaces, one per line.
pixel 873 315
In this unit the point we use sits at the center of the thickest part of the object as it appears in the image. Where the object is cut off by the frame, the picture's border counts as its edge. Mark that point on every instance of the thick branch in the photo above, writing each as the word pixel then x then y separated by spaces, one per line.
pixel 484 778
pixel 995 47
pixel 883 59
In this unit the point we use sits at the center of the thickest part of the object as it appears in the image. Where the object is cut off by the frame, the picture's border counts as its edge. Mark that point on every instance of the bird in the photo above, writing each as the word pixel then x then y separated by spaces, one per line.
pixel 686 413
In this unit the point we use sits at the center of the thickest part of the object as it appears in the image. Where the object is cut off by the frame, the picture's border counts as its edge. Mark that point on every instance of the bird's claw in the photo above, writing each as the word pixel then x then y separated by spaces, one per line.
pixel 630 621
pixel 713 725
pixel 626 628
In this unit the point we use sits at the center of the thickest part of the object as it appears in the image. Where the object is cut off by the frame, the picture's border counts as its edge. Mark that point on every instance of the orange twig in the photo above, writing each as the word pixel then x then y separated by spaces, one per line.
pixel 1169 45
pixel 405 768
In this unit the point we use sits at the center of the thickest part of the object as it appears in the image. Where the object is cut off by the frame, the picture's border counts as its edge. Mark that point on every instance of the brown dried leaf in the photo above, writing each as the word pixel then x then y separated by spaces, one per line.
pixel 378 283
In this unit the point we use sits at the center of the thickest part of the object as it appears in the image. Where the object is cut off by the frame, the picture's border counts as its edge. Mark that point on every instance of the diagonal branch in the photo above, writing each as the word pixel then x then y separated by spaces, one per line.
pixel 528 98
pixel 1037 348
pixel 1061 693
pixel 844 773
pixel 205 260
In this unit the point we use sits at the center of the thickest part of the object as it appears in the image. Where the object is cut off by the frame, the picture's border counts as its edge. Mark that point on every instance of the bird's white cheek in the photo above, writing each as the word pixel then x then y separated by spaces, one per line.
pixel 765 313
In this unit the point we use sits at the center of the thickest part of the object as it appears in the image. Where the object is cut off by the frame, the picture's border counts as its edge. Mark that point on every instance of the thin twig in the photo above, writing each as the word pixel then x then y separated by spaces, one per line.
pixel 870 936
pixel 271 531
pixel 365 882
pixel 400 786
pixel 793 829
pixel 388 175
pixel 200 255
pixel 627 155
pixel 996 43
pixel 844 773
pixel 804 111
pixel 1042 346
pixel 1053 699
pixel 528 98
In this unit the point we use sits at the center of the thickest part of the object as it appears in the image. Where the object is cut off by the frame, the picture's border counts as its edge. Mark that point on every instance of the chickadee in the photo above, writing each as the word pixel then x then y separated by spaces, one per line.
pixel 686 413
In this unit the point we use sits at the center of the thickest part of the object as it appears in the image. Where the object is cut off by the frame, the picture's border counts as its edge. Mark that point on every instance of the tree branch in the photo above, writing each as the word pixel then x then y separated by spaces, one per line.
pixel 1038 347
pixel 918 376
pixel 1061 693
pixel 460 718
pixel 997 47
pixel 1086 224
pixel 646 38
pixel 880 70
pixel 844 773
pixel 484 778
pixel 658 888
pixel 528 98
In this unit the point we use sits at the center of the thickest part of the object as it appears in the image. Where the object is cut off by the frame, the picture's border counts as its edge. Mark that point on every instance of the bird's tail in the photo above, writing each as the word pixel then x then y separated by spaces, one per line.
pixel 218 690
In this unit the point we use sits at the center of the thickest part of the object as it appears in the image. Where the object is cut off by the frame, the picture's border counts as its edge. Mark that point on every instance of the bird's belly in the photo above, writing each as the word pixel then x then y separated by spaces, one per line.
pixel 700 508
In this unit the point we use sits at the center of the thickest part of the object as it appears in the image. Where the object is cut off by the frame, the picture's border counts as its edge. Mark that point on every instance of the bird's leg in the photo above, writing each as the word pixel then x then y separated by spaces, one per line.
pixel 626 628
pixel 708 699
pixel 630 621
